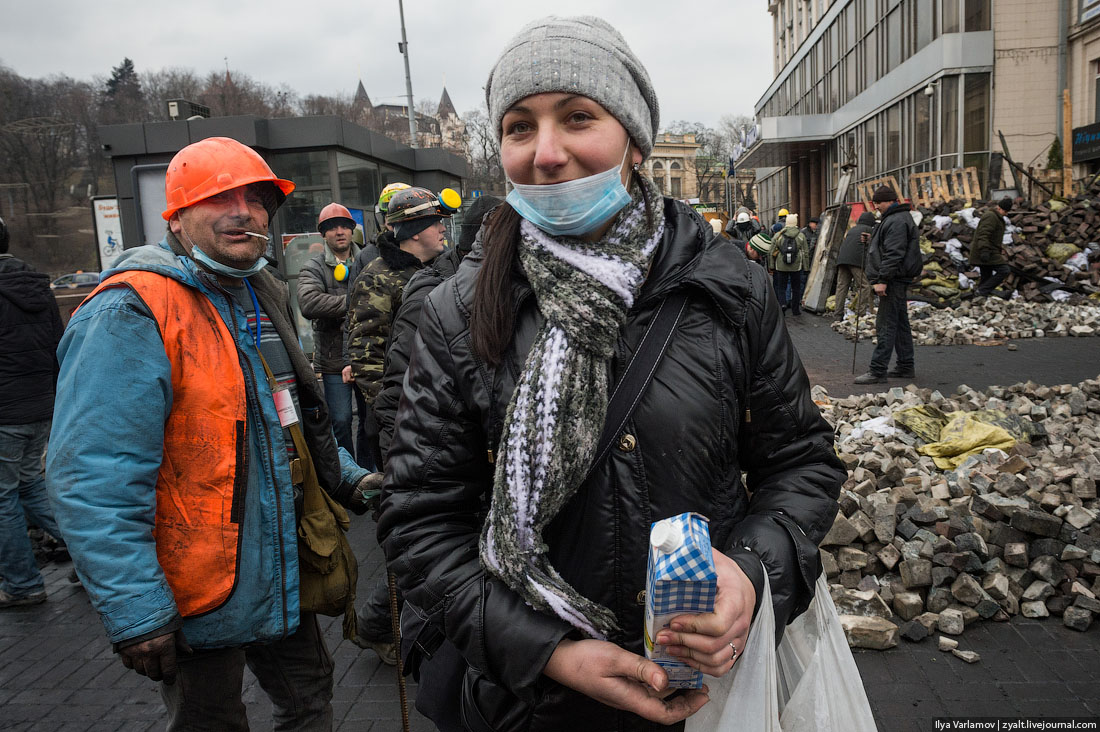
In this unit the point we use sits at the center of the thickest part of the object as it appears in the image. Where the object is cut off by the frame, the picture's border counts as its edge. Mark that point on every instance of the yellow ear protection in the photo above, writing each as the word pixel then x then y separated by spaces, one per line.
pixel 449 200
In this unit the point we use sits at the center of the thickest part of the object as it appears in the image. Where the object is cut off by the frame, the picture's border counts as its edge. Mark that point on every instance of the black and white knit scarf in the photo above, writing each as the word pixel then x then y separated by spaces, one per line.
pixel 584 291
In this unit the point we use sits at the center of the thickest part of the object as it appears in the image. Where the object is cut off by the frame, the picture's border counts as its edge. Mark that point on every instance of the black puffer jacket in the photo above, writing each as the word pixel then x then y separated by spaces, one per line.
pixel 894 253
pixel 402 333
pixel 852 249
pixel 30 329
pixel 730 395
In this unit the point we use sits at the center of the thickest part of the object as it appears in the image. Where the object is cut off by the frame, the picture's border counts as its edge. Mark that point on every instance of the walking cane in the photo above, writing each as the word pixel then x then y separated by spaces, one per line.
pixel 401 690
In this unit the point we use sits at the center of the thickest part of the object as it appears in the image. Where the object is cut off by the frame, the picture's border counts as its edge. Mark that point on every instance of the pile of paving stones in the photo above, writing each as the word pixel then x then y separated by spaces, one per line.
pixel 986 319
pixel 917 550
pixel 1053 250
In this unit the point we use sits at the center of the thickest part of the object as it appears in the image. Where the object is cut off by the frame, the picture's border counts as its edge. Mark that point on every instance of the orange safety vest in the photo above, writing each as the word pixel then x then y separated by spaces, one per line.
pixel 203 473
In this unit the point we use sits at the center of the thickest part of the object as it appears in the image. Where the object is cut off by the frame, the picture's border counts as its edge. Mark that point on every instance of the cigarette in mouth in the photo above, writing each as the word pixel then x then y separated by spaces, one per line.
pixel 258 236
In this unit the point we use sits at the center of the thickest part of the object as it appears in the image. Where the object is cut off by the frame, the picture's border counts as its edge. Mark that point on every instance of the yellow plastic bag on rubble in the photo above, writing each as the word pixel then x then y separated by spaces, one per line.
pixel 926 245
pixel 963 436
pixel 1061 251
pixel 926 422
pixel 830 303
pixel 933 267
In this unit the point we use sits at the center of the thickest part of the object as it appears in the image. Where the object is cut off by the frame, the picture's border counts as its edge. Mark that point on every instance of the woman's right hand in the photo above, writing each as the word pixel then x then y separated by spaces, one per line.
pixel 620 679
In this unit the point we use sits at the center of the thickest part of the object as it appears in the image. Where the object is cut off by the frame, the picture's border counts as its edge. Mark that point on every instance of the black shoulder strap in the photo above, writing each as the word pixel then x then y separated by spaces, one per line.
pixel 639 372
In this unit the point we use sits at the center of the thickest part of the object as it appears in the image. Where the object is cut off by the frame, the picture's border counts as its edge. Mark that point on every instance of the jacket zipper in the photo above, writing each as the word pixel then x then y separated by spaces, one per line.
pixel 270 452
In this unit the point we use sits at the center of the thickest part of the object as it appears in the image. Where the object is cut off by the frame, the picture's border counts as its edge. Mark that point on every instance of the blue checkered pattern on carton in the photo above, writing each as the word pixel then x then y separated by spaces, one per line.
pixel 679 581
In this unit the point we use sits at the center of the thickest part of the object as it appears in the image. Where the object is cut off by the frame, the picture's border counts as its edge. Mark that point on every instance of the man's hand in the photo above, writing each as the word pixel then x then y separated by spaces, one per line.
pixel 622 680
pixel 703 641
pixel 345 374
pixel 156 657
pixel 367 492
pixel 880 288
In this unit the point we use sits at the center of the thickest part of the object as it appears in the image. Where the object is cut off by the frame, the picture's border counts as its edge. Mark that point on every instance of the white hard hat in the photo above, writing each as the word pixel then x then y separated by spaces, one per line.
pixel 743 217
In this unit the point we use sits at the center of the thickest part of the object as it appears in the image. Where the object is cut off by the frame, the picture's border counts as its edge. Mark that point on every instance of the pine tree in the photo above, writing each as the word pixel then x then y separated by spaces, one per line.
pixel 124 80
pixel 1054 157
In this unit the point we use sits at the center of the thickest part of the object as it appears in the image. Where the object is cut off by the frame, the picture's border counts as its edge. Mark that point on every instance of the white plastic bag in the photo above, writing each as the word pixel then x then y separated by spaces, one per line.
pixel 811 684
pixel 747 698
pixel 820 689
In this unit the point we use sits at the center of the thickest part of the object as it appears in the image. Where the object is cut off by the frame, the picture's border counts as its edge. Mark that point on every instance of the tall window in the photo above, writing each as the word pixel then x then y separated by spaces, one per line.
pixel 894 41
pixel 977 15
pixel 893 136
pixel 1096 112
pixel 870 164
pixel 950 16
pixel 949 121
pixel 922 128
pixel 976 113
pixel 925 19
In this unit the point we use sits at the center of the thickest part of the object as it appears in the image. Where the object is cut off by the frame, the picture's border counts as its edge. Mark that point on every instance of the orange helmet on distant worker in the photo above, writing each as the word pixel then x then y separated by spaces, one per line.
pixel 334 215
pixel 215 165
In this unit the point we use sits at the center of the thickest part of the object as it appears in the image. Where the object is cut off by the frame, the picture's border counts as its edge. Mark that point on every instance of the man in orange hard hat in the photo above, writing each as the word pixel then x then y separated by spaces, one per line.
pixel 323 298
pixel 190 437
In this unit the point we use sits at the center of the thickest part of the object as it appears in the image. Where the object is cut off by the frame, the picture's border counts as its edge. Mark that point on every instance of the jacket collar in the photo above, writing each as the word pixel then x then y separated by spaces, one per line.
pixel 898 207
pixel 395 257
pixel 332 260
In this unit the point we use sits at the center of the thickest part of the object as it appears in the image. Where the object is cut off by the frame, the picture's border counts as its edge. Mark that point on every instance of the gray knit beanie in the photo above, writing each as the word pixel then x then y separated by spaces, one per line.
pixel 581 55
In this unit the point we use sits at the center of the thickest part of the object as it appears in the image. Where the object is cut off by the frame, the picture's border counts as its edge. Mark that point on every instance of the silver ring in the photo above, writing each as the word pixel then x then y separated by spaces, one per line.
pixel 734 649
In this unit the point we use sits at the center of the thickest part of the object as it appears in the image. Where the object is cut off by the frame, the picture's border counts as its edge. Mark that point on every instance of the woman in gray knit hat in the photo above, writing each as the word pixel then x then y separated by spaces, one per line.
pixel 510 536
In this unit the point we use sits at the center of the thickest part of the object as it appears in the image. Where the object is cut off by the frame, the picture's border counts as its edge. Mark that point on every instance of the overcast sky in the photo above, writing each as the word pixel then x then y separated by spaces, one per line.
pixel 704 62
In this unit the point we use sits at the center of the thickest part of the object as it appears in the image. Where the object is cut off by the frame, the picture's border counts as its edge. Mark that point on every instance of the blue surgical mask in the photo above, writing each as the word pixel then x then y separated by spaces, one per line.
pixel 217 267
pixel 575 207
pixel 224 269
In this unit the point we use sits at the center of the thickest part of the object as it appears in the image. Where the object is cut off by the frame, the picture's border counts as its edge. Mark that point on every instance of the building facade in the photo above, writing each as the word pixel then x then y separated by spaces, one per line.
pixel 672 165
pixel 1083 41
pixel 900 87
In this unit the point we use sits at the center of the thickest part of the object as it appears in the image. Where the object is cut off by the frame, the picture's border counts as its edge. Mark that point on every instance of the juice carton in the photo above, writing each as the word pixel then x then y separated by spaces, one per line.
pixel 680 579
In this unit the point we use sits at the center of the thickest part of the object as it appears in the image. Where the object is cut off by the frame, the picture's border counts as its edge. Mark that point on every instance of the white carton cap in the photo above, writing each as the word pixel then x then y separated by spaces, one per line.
pixel 665 537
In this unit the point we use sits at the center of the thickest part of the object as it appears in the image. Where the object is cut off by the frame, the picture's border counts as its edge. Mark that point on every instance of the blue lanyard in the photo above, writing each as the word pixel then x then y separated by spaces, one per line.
pixel 256 310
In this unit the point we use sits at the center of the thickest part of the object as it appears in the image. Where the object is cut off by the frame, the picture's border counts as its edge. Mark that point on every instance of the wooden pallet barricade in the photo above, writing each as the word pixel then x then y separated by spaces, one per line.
pixel 866 189
pixel 926 189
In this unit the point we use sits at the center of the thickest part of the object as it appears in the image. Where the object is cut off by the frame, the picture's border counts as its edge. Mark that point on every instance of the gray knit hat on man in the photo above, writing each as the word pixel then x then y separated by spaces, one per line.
pixel 581 55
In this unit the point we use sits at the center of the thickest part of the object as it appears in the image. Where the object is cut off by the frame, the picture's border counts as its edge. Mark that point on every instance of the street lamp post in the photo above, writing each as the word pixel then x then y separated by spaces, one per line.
pixel 404 46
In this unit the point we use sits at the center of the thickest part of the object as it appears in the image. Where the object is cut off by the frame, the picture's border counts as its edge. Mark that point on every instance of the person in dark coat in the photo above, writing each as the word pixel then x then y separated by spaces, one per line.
pixel 323 298
pixel 849 267
pixel 987 248
pixel 30 329
pixel 893 261
pixel 744 227
pixel 497 534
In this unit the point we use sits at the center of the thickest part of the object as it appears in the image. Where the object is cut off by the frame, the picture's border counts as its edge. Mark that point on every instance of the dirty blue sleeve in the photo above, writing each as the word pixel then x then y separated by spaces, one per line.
pixel 114 393
pixel 350 471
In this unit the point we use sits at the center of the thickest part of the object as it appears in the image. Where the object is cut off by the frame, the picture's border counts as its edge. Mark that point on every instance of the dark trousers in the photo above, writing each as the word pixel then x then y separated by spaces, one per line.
pixel 892 330
pixel 374 617
pixel 992 276
pixel 338 398
pixel 794 280
pixel 367 452
pixel 296 673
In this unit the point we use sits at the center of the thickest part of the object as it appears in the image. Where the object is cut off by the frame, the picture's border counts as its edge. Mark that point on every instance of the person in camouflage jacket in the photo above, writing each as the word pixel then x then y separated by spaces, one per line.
pixel 376 292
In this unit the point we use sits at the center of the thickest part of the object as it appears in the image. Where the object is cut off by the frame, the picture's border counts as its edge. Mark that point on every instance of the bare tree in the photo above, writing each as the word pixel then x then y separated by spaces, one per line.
pixel 486 171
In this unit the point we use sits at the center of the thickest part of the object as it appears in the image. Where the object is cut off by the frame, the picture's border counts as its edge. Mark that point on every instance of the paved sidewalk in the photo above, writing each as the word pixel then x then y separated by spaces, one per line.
pixel 57 671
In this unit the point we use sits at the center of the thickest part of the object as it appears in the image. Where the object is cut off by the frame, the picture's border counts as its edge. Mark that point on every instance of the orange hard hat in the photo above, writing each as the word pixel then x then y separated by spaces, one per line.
pixel 335 214
pixel 212 166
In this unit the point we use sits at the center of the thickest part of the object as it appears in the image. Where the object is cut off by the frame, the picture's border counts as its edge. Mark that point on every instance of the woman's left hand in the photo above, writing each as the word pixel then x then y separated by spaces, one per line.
pixel 707 641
